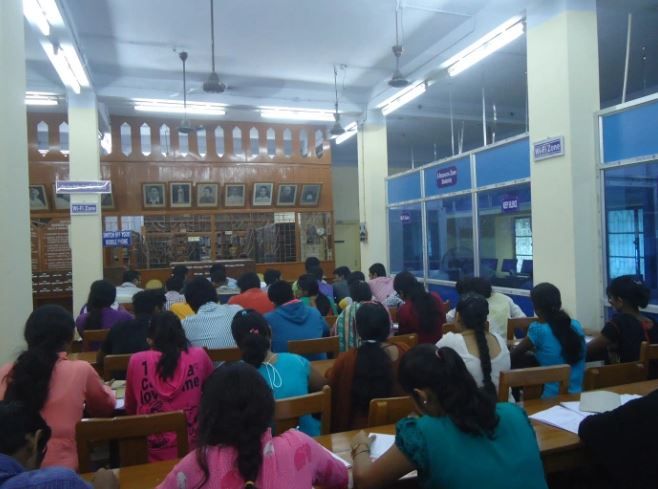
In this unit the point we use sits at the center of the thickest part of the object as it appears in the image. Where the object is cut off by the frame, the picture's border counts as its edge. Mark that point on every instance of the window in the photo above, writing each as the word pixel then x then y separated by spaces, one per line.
pixel 626 243
pixel 522 240
pixel 406 237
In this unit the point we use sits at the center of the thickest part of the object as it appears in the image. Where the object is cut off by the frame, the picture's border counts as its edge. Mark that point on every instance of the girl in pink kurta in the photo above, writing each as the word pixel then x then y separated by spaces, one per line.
pixel 167 378
pixel 45 380
pixel 236 448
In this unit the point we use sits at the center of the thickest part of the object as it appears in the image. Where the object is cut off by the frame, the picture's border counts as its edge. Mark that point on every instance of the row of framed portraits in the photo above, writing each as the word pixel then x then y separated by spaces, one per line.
pixel 39 199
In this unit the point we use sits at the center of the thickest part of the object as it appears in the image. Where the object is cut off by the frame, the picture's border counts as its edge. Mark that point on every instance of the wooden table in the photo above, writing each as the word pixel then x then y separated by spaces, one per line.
pixel 321 366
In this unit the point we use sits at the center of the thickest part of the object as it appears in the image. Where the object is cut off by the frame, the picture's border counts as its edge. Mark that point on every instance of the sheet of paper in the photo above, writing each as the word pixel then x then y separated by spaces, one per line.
pixel 559 417
pixel 575 407
pixel 381 444
pixel 599 401
pixel 628 397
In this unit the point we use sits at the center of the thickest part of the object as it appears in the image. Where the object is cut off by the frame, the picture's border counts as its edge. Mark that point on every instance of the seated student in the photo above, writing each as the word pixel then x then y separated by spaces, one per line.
pixel 100 314
pixel 221 282
pixel 501 306
pixel 422 311
pixel 309 264
pixel 287 374
pixel 47 382
pixel 23 438
pixel 623 334
pixel 211 324
pixel 352 278
pixel 462 439
pixel 173 286
pixel 367 372
pixel 251 296
pixel 381 285
pixel 270 276
pixel 167 378
pixel 323 286
pixel 231 283
pixel 309 293
pixel 293 320
pixel 555 338
pixel 345 326
pixel 484 352
pixel 340 286
pixel 236 447
pixel 129 287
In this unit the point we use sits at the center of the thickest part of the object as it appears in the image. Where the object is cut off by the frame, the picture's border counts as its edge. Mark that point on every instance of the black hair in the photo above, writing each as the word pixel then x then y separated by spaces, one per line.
pixel 199 292
pixel 217 266
pixel 360 291
pixel 473 310
pixel 427 311
pixel 237 407
pixel 145 302
pixel 444 373
pixel 252 335
pixel 168 337
pixel 249 280
pixel 16 423
pixel 308 283
pixel 175 283
pixel 377 269
pixel 130 275
pixel 547 302
pixel 48 330
pixel 280 292
pixel 633 292
pixel 317 272
pixel 218 277
pixel 311 262
pixel 102 294
pixel 373 373
pixel 475 285
pixel 179 271
pixel 342 272
pixel 271 275
pixel 355 277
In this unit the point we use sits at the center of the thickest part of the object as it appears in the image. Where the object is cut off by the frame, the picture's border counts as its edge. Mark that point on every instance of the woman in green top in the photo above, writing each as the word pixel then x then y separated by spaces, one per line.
pixel 345 327
pixel 309 294
pixel 462 440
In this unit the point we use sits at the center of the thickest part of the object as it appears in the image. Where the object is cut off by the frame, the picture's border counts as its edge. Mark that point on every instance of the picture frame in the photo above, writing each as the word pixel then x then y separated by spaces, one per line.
pixel 154 195
pixel 310 195
pixel 107 201
pixel 262 194
pixel 234 195
pixel 286 195
pixel 207 194
pixel 62 201
pixel 180 194
pixel 38 198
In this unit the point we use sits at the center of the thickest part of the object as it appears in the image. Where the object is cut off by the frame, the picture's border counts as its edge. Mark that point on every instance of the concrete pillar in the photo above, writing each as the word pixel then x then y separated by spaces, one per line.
pixel 373 169
pixel 85 235
pixel 563 93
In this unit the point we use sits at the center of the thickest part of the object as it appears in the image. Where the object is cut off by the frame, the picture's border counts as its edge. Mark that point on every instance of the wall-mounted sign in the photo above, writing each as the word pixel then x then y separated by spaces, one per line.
pixel 548 148
pixel 446 177
pixel 84 209
pixel 83 187
pixel 116 239
pixel 405 217
pixel 509 203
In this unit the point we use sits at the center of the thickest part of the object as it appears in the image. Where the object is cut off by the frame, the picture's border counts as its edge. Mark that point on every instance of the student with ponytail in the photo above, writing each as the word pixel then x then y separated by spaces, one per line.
pixel 555 338
pixel 422 312
pixel 99 313
pixel 287 374
pixel 462 439
pixel 45 381
pixel 484 353
pixel 169 377
pixel 236 448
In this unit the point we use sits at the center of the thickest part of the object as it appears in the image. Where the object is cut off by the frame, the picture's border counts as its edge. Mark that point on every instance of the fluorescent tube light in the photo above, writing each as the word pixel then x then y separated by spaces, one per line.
pixel 36 16
pixel 488 44
pixel 402 97
pixel 61 66
pixel 41 99
pixel 51 11
pixel 71 56
pixel 176 107
pixel 350 130
pixel 296 114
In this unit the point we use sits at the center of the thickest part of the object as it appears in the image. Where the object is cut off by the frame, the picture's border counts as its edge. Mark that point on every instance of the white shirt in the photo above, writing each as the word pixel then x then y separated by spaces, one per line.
pixel 501 308
pixel 126 291
pixel 173 297
pixel 211 326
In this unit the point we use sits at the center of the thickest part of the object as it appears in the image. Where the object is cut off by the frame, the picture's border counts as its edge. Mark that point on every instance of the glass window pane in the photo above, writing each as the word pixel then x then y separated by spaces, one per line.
pixel 406 238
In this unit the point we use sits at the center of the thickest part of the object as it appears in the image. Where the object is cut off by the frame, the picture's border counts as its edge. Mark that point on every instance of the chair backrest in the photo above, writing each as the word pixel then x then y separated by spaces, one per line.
pixel 518 323
pixel 388 410
pixel 393 311
pixel 91 338
pixel 450 328
pixel 113 364
pixel 535 376
pixel 131 432
pixel 649 358
pixel 319 345
pixel 224 354
pixel 287 411
pixel 616 374
pixel 410 340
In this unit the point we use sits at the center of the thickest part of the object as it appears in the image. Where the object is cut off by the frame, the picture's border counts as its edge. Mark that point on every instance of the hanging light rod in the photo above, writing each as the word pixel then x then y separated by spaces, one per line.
pixel 402 97
pixel 292 114
pixel 177 107
pixel 489 43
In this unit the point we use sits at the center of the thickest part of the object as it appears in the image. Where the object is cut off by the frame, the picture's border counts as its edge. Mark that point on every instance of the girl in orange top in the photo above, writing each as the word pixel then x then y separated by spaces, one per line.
pixel 47 382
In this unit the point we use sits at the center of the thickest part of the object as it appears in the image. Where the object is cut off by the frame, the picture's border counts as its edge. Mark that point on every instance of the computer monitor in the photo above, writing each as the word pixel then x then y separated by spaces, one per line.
pixel 489 264
pixel 526 267
pixel 509 265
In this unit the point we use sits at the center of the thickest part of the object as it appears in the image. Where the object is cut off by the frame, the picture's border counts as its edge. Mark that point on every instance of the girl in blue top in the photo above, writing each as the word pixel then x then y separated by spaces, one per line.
pixel 462 440
pixel 556 338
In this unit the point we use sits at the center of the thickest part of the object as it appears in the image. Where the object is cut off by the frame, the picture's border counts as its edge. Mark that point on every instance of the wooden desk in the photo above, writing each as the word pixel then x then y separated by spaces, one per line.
pixel 145 476
pixel 321 366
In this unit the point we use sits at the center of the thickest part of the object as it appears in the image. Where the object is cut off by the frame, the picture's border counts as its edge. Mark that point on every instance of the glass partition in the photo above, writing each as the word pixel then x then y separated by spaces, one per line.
pixel 405 230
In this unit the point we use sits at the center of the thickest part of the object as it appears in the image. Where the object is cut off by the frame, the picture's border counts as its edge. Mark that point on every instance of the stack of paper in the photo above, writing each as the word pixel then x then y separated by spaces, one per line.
pixel 603 401
pixel 560 417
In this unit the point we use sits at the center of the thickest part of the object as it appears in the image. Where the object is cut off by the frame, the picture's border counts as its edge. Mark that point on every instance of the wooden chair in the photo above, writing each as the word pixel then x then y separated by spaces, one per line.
pixel 113 364
pixel 410 340
pixel 389 410
pixel 450 328
pixel 518 323
pixel 131 433
pixel 93 337
pixel 649 358
pixel 616 374
pixel 288 411
pixel 393 311
pixel 310 347
pixel 224 354
pixel 533 377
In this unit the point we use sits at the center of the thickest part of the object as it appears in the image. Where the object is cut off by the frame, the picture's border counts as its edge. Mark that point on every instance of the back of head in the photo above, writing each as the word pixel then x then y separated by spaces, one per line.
pixel 147 301
pixel 271 275
pixel 17 422
pixel 547 302
pixel 219 278
pixel 377 269
pixel 444 374
pixel 355 277
pixel 342 272
pixel 180 271
pixel 633 292
pixel 216 267
pixel 317 272
pixel 131 276
pixel 308 284
pixel 175 283
pixel 360 291
pixel 168 337
pixel 102 294
pixel 199 292
pixel 474 285
pixel 424 304
pixel 280 292
pixel 248 281
pixel 252 335
pixel 237 407
pixel 311 262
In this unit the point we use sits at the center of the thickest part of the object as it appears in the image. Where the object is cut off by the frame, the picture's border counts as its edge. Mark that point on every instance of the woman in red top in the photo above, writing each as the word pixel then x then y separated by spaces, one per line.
pixel 422 312
pixel 251 296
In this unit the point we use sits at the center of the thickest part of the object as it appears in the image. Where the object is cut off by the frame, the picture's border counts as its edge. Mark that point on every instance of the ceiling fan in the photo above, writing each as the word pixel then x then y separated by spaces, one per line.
pixel 397 80
pixel 213 84
pixel 337 128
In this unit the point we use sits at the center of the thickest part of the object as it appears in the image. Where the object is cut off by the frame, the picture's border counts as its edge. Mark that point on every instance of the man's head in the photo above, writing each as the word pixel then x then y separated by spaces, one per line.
pixel 262 191
pixel 148 302
pixel 280 292
pixel 271 275
pixel 23 434
pixel 154 193
pixel 218 277
pixel 175 283
pixel 377 270
pixel 311 262
pixel 132 276
pixel 207 192
pixel 199 292
pixel 248 280
pixel 341 273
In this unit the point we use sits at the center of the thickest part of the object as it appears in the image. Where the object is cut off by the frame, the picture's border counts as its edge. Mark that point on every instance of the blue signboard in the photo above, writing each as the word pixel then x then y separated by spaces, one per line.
pixel 446 177
pixel 548 148
pixel 114 239
pixel 405 217
pixel 509 203
pixel 84 209
pixel 83 187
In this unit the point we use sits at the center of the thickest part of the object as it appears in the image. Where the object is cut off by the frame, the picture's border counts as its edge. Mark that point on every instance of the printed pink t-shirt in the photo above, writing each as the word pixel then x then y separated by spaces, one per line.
pixel 147 393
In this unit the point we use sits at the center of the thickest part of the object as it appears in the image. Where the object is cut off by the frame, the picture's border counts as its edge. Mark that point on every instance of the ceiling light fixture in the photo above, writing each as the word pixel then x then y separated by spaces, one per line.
pixel 493 41
pixel 176 107
pixel 337 129
pixel 62 66
pixel 35 15
pixel 286 113
pixel 40 98
pixel 350 130
pixel 404 96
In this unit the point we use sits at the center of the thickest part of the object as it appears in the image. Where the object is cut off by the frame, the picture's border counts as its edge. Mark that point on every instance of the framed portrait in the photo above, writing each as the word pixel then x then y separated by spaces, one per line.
pixel 286 195
pixel 153 195
pixel 62 201
pixel 38 198
pixel 262 194
pixel 107 201
pixel 310 194
pixel 234 195
pixel 207 194
pixel 180 194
